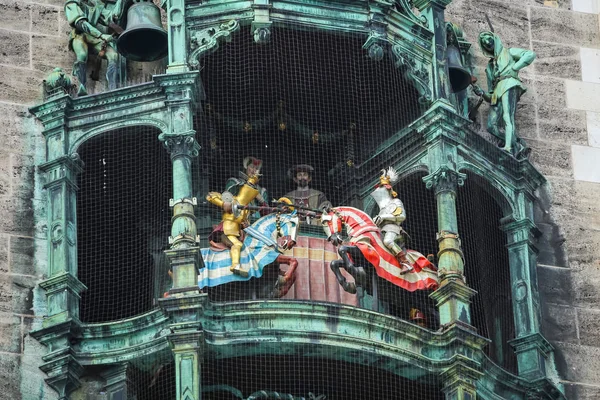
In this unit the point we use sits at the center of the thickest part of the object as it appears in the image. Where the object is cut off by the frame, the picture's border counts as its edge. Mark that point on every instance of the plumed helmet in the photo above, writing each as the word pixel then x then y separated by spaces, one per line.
pixel 254 161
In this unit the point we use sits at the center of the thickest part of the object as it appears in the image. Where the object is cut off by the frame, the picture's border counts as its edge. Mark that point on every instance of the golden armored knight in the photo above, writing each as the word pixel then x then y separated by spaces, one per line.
pixel 234 218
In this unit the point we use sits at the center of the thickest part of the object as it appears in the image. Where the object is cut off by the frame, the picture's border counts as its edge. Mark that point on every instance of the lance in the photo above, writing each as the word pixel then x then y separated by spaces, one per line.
pixel 473 110
pixel 316 211
pixel 237 209
pixel 487 17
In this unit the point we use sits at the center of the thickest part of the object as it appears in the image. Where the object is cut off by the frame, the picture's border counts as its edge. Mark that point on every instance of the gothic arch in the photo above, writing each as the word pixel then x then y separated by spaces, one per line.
pixel 83 136
pixel 369 205
pixel 480 211
pixel 501 191
pixel 123 221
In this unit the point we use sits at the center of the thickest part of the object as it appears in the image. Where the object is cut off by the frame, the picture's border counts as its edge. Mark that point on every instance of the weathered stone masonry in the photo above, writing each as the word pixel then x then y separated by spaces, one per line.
pixel 559 117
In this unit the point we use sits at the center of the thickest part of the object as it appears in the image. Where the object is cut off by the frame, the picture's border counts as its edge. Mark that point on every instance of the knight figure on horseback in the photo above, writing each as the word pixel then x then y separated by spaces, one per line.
pixel 390 217
pixel 233 219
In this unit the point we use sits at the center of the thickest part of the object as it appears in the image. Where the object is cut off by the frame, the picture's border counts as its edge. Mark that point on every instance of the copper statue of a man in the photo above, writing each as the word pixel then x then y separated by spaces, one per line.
pixel 504 88
pixel 89 21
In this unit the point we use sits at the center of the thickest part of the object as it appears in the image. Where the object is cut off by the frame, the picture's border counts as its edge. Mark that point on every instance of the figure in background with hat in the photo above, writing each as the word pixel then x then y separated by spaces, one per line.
pixel 390 217
pixel 89 21
pixel 504 89
pixel 304 195
pixel 252 166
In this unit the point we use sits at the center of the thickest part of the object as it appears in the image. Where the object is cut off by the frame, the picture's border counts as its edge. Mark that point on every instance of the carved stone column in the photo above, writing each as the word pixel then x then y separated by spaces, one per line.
pixel 531 348
pixel 460 378
pixel 180 141
pixel 187 342
pixel 185 303
pixel 177 36
pixel 116 382
pixel 433 10
pixel 62 286
pixel 184 252
pixel 453 295
pixel 187 347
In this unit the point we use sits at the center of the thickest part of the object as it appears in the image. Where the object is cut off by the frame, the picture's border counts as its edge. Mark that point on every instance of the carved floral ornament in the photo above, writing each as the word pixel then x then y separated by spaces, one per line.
pixel 180 145
pixel 406 8
pixel 56 106
pixel 207 40
pixel 116 100
pixel 415 71
pixel 444 179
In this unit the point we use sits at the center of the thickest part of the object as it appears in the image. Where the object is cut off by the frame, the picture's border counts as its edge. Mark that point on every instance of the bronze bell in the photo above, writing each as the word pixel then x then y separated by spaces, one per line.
pixel 144 39
pixel 460 78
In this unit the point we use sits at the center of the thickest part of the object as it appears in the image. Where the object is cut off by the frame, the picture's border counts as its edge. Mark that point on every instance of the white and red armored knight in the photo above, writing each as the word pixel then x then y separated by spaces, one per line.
pixel 391 214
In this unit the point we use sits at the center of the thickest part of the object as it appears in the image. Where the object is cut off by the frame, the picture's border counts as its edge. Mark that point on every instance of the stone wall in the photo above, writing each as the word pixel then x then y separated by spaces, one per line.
pixel 33 42
pixel 34 37
pixel 559 118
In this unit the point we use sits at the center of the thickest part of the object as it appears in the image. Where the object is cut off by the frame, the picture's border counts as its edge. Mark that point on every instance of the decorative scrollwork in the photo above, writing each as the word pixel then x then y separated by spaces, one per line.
pixel 112 99
pixel 375 47
pixel 56 233
pixel 260 394
pixel 262 35
pixel 416 72
pixel 444 179
pixel 405 7
pixel 180 145
pixel 52 108
pixel 208 40
pixel 76 159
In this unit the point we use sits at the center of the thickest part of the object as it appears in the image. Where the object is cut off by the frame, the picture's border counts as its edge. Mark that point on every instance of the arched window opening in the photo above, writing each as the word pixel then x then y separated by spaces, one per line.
pixel 487 268
pixel 306 97
pixel 335 379
pixel 303 98
pixel 421 213
pixel 123 223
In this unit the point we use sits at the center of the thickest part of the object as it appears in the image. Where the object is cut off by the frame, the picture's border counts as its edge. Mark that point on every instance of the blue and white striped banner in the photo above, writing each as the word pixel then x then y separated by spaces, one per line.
pixel 260 249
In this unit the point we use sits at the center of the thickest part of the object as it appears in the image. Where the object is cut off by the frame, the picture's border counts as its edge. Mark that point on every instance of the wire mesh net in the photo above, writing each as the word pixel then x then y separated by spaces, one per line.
pixel 315 99
pixel 310 99
pixel 487 268
pixel 152 377
pixel 306 98
pixel 293 377
pixel 123 222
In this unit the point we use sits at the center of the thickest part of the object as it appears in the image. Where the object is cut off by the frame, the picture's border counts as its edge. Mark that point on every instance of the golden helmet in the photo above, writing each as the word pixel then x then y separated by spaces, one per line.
pixel 286 201
pixel 384 180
